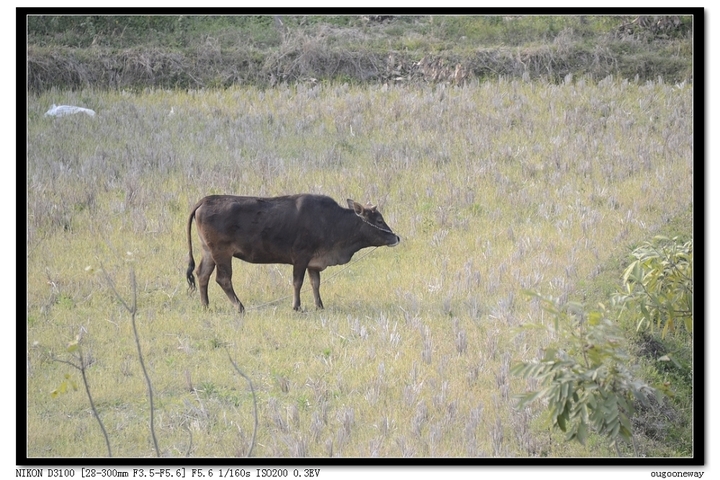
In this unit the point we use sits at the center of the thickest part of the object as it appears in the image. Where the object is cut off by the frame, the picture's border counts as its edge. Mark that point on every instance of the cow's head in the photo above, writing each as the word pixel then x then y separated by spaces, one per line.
pixel 370 215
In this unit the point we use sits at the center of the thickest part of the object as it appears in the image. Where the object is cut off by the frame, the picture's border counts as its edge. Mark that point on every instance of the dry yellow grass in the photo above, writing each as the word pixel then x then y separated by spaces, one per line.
pixel 494 188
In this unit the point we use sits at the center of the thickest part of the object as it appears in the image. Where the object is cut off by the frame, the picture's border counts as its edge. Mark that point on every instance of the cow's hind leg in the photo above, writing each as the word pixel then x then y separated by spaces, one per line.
pixel 204 270
pixel 315 281
pixel 224 279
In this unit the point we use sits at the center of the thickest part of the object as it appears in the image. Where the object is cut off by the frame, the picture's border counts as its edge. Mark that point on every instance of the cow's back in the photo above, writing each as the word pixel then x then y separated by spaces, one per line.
pixel 264 230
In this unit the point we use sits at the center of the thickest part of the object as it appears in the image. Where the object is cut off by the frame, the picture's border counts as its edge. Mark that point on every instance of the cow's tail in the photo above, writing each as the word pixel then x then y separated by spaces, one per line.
pixel 191 260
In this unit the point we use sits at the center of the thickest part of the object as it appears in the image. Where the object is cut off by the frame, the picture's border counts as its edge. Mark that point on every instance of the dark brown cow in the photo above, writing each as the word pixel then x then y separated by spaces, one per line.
pixel 309 232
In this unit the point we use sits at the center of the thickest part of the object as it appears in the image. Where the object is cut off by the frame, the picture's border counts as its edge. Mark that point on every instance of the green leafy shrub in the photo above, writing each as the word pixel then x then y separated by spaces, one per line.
pixel 586 374
pixel 659 285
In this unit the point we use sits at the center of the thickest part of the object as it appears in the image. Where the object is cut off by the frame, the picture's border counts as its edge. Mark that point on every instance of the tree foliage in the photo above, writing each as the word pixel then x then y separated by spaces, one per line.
pixel 659 285
pixel 586 374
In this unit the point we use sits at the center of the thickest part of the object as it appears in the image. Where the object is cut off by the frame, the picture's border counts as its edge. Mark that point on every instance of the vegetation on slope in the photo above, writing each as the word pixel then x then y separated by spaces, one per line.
pixel 208 51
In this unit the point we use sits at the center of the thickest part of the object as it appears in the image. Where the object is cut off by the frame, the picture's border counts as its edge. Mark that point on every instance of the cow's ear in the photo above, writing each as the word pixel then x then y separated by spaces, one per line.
pixel 355 206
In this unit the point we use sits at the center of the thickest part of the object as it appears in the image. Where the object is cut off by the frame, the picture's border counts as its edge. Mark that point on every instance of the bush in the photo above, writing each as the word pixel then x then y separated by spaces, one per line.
pixel 587 375
pixel 659 286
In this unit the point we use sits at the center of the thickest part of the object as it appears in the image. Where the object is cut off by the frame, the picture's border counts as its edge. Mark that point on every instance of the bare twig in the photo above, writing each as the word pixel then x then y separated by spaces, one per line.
pixel 133 310
pixel 252 390
pixel 92 404
pixel 81 366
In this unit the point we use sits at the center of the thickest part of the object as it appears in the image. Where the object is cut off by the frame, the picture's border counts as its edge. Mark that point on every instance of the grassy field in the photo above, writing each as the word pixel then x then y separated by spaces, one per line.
pixel 495 188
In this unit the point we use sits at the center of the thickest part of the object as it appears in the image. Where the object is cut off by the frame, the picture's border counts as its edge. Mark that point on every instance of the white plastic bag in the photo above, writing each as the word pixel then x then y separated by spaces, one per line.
pixel 62 110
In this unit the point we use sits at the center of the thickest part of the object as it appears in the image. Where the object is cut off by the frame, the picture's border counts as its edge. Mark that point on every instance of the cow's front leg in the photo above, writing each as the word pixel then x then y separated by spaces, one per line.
pixel 298 277
pixel 315 281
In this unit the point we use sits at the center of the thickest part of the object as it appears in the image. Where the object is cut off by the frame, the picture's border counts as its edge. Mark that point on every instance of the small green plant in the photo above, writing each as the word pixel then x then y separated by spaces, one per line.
pixel 586 375
pixel 64 386
pixel 208 389
pixel 659 285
